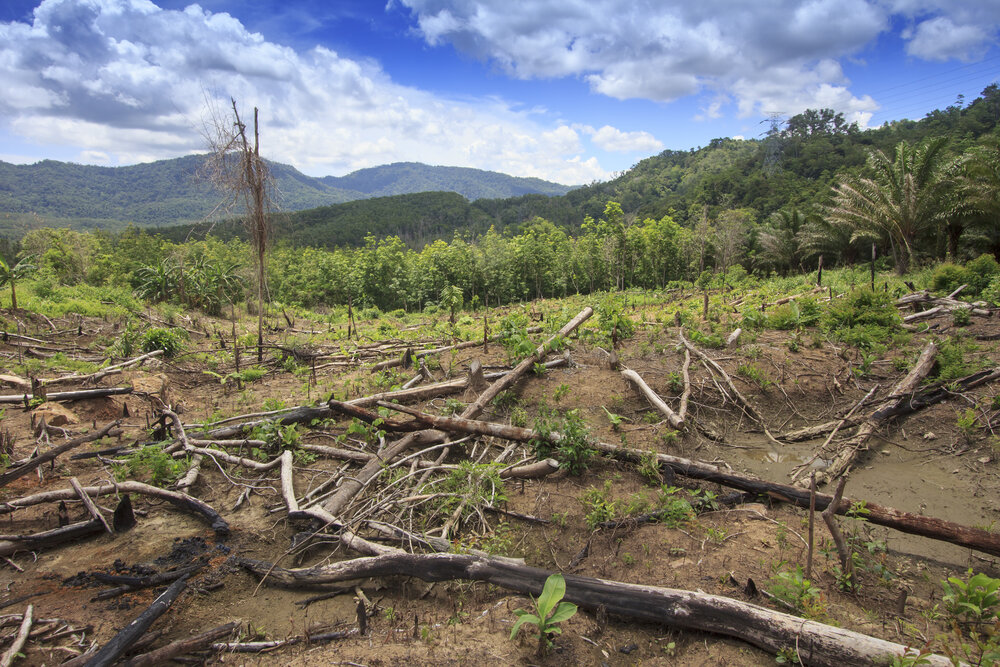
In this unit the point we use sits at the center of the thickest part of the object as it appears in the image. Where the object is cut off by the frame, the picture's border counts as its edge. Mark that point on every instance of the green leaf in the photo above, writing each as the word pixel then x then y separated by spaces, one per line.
pixel 552 593
pixel 524 617
pixel 564 611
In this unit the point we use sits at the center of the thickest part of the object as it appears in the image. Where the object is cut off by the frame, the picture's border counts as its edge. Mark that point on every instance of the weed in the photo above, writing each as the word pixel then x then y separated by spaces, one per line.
pixel 972 603
pixel 792 587
pixel 649 467
pixel 615 419
pixel 599 507
pixel 968 424
pixel 151 460
pixel 754 375
pixel 566 437
pixel 560 392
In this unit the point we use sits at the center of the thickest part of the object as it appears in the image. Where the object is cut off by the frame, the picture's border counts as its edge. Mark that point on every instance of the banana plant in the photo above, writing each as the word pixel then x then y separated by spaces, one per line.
pixel 548 612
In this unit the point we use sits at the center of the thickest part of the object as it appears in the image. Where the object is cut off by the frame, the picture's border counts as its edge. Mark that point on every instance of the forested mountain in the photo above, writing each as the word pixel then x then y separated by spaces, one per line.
pixel 794 166
pixel 409 177
pixel 169 192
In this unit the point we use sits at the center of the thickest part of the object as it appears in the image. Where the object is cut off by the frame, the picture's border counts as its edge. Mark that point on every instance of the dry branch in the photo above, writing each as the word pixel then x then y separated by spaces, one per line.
pixel 177 648
pixel 69 395
pixel 973 538
pixel 110 652
pixel 748 408
pixel 22 636
pixel 180 500
pixel 22 470
pixel 352 486
pixel 816 643
pixel 850 449
pixel 675 420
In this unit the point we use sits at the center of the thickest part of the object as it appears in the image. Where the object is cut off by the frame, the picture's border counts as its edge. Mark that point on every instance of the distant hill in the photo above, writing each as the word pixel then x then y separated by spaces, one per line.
pixel 402 178
pixel 168 192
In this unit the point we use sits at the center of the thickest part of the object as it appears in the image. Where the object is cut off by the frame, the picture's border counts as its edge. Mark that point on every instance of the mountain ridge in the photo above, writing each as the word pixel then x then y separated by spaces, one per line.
pixel 169 192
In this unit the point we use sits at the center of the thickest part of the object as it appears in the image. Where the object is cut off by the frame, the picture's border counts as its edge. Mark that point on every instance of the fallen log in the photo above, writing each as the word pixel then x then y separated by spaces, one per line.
pixel 180 500
pixel 182 646
pixel 459 346
pixel 114 649
pixel 906 522
pixel 22 636
pixel 22 470
pixel 104 372
pixel 815 643
pixel 305 414
pixel 68 395
pixel 849 450
pixel 14 543
pixel 352 486
pixel 675 420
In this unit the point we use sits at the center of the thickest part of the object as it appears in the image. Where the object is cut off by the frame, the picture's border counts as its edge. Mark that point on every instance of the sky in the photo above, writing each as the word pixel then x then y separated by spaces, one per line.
pixel 572 91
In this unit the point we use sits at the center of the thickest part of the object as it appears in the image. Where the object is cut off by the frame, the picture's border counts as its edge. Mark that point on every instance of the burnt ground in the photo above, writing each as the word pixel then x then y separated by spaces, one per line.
pixel 925 463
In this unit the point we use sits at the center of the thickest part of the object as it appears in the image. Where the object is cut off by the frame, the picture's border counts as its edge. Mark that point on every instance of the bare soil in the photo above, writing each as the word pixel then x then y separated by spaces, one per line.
pixel 924 464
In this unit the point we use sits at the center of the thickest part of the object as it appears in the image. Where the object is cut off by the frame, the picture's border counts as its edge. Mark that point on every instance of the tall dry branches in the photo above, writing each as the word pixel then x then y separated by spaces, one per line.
pixel 235 167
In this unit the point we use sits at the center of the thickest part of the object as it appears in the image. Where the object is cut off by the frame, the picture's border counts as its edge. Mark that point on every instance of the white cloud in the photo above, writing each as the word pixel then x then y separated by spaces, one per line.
pixel 612 139
pixel 782 53
pixel 124 81
pixel 940 39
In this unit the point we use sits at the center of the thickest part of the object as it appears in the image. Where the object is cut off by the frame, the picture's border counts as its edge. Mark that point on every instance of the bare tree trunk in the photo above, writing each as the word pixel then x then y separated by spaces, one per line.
pixel 815 643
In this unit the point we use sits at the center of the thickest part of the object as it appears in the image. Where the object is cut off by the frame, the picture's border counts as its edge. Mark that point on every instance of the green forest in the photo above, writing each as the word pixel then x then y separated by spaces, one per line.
pixel 814 189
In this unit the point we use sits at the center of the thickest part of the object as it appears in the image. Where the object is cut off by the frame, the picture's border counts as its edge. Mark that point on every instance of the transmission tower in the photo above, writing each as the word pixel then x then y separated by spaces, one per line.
pixel 773 142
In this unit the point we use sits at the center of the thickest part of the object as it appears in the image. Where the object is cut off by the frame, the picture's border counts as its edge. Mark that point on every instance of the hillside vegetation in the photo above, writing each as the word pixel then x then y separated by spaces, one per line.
pixel 168 192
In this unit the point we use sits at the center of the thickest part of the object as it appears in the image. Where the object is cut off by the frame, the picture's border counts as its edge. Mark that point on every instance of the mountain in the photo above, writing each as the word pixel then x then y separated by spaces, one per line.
pixel 169 192
pixel 402 178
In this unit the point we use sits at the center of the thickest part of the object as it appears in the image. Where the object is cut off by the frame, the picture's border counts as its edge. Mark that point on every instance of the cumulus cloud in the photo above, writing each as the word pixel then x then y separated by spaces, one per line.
pixel 126 81
pixel 614 140
pixel 762 54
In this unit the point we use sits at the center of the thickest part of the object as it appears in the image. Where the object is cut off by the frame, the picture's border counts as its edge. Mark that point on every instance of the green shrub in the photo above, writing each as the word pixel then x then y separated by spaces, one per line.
pixel 151 460
pixel 862 319
pixel 170 341
pixel 992 292
pixel 947 277
pixel 979 273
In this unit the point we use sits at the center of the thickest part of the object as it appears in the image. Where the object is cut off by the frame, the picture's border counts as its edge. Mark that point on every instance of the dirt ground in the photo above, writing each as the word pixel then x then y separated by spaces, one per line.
pixel 924 464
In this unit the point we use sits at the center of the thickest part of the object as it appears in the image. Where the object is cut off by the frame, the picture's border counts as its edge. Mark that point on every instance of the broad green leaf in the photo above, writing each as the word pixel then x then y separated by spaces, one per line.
pixel 552 593
pixel 524 617
pixel 564 611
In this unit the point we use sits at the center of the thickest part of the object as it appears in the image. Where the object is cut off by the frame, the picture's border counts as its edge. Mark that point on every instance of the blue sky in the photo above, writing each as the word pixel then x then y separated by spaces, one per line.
pixel 567 90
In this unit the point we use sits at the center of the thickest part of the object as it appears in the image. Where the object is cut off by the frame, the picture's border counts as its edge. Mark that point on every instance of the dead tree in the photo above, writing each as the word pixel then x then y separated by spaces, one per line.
pixel 235 167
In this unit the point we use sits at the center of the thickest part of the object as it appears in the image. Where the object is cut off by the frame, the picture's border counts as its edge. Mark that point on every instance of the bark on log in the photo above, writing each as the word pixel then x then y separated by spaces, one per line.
pixel 89 504
pixel 351 486
pixel 180 500
pixel 675 420
pixel 816 643
pixel 114 649
pixel 49 538
pixel 849 450
pixel 177 648
pixel 914 524
pixel 22 470
pixel 69 395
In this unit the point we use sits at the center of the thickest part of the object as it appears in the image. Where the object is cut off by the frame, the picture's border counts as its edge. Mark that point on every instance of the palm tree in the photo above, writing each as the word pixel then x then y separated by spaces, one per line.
pixel 156 283
pixel 781 240
pixel 982 190
pixel 901 198
pixel 11 275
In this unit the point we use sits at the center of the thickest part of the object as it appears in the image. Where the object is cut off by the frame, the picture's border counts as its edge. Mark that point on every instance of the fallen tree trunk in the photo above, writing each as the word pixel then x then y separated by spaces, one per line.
pixel 69 395
pixel 180 500
pixel 675 420
pixel 114 649
pixel 815 643
pixel 351 486
pixel 177 648
pixel 49 538
pixel 22 470
pixel 305 414
pixel 849 450
pixel 906 522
